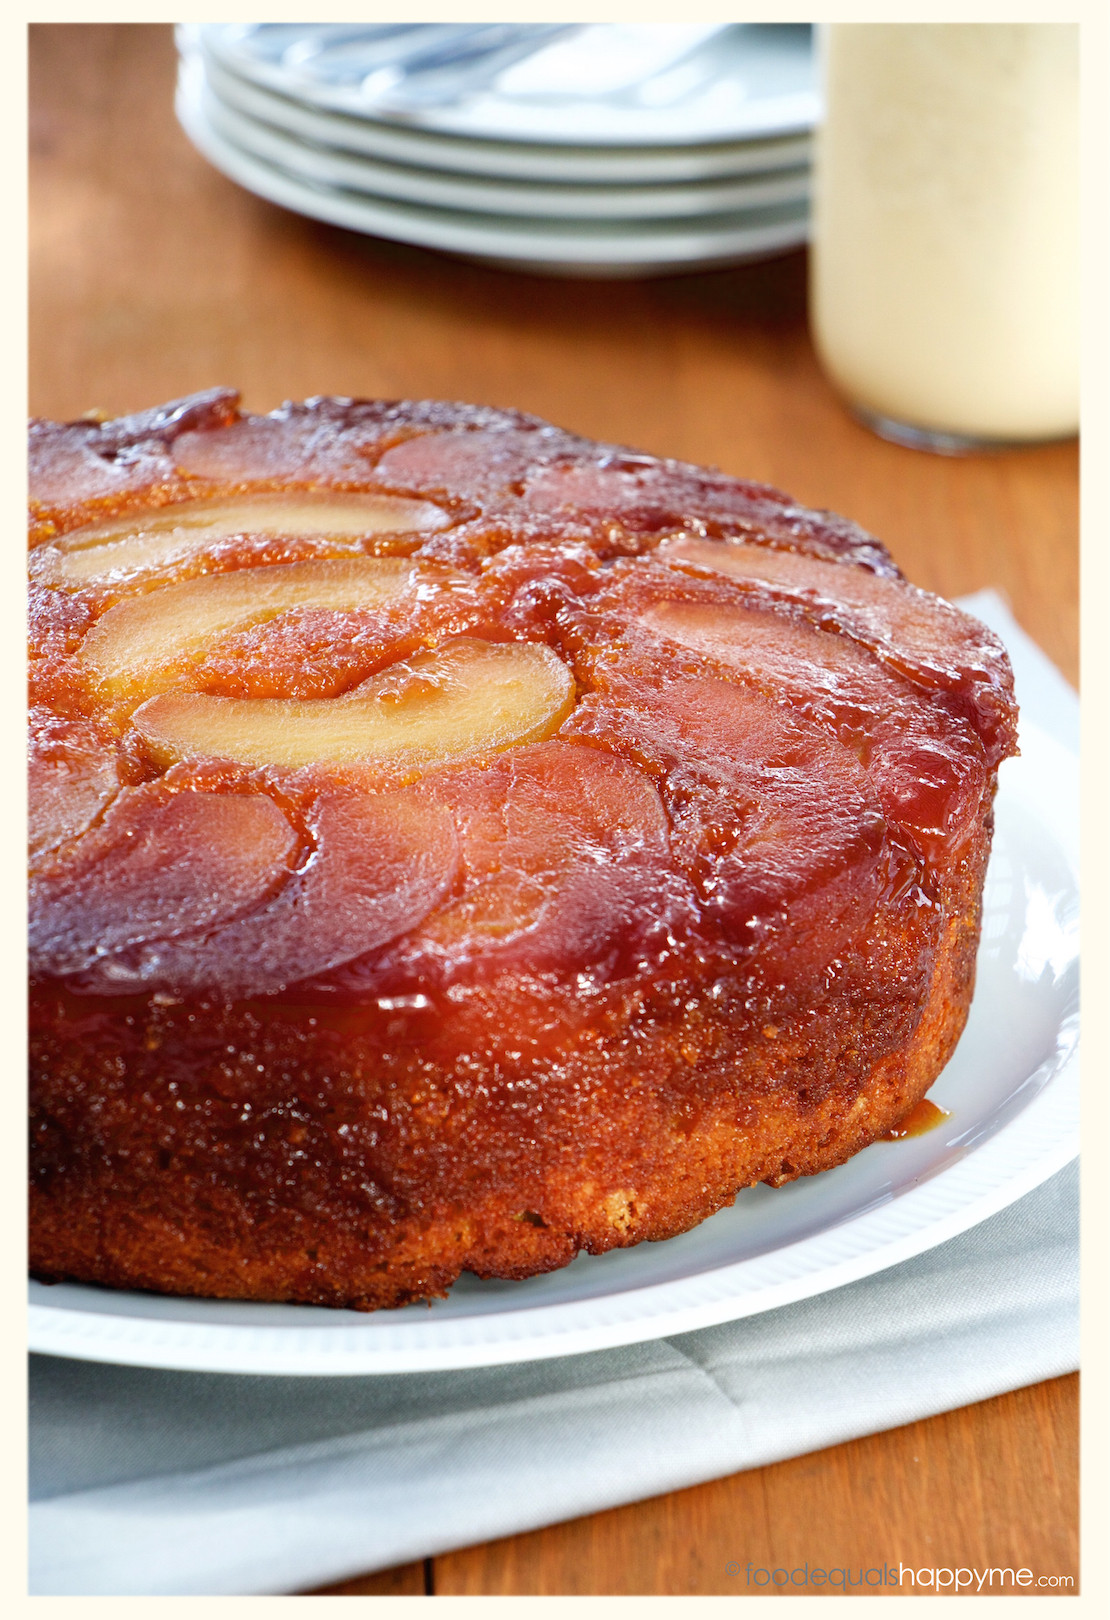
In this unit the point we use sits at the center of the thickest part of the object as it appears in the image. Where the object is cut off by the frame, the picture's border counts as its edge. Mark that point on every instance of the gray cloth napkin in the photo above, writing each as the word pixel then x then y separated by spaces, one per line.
pixel 149 1483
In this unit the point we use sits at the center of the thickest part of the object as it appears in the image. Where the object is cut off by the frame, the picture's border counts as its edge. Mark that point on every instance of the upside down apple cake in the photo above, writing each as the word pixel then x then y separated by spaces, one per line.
pixel 456 844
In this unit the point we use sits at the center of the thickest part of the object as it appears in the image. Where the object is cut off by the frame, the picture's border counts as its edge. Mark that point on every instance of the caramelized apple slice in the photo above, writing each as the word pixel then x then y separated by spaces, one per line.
pixel 162 862
pixel 927 770
pixel 133 648
pixel 379 864
pixel 789 856
pixel 144 542
pixel 71 778
pixel 919 636
pixel 565 861
pixel 467 698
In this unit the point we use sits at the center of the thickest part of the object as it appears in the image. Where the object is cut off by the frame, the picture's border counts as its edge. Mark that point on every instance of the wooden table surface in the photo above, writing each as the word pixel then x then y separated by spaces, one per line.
pixel 152 275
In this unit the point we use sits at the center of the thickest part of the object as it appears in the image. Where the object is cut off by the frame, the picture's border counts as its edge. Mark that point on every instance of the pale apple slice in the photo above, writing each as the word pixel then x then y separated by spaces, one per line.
pixel 145 542
pixel 469 698
pixel 136 648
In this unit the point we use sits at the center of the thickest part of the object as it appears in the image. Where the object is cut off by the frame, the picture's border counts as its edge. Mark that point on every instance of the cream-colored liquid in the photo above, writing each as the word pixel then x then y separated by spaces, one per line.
pixel 945 280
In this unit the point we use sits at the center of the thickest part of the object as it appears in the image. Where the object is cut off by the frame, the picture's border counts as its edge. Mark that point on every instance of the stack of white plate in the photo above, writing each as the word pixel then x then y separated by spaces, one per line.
pixel 579 150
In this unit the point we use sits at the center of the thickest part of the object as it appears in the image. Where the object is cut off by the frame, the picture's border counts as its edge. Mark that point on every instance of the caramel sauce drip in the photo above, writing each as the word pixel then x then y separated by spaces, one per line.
pixel 925 1117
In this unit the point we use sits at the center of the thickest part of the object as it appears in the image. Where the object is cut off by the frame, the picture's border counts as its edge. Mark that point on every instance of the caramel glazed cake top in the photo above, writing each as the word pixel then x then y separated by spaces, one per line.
pixel 367 700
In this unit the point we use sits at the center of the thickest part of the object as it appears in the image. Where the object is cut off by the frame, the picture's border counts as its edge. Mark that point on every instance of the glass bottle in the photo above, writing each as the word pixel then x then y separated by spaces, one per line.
pixel 944 290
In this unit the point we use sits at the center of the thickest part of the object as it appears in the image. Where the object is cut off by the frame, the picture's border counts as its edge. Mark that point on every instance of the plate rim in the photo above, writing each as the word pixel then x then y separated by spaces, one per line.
pixel 560 254
pixel 161 1344
pixel 1040 1139
pixel 376 177
pixel 471 155
pixel 233 58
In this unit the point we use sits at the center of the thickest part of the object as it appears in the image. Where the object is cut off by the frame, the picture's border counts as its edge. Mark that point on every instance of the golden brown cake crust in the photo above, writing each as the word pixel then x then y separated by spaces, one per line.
pixel 333 1029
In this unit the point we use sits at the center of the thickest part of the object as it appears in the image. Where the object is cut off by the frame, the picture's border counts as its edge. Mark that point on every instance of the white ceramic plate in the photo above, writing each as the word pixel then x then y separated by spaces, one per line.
pixel 1011 1089
pixel 513 160
pixel 556 247
pixel 674 83
pixel 434 188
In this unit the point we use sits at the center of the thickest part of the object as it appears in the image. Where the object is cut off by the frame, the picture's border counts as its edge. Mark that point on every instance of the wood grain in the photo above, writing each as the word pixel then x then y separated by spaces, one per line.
pixel 992 1485
pixel 152 275
pixel 406 1580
